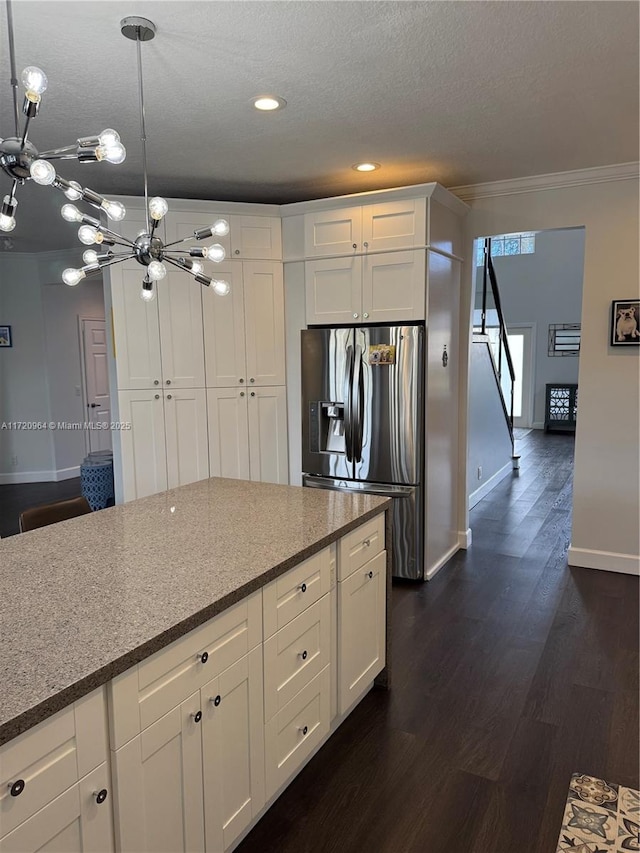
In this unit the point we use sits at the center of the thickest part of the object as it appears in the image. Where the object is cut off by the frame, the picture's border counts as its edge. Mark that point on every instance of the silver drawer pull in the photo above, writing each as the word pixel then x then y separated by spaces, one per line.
pixel 366 542
pixel 17 787
pixel 303 587
pixel 303 655
pixel 303 729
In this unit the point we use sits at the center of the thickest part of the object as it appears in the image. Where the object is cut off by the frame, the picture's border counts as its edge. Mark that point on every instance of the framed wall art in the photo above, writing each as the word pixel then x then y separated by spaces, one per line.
pixel 5 336
pixel 625 322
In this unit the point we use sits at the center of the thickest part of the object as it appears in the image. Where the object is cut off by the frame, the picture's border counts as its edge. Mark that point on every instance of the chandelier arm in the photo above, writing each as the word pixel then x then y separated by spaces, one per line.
pixel 117 238
pixel 117 260
pixel 143 132
pixel 44 155
pixel 57 156
pixel 174 263
pixel 182 240
pixel 12 60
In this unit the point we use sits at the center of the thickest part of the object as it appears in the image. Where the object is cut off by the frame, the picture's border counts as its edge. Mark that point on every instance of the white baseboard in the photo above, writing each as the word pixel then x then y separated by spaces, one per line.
pixel 465 538
pixel 432 571
pixel 607 561
pixel 537 425
pixel 55 476
pixel 491 483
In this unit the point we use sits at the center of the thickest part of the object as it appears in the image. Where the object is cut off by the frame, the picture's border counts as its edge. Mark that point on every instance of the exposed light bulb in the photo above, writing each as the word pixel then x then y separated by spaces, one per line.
pixel 148 292
pixel 71 213
pixel 7 223
pixel 215 253
pixel 114 153
pixel 42 172
pixel 109 137
pixel 114 209
pixel 72 276
pixel 221 287
pixel 197 267
pixel 35 82
pixel 156 270
pixel 90 256
pixel 220 228
pixel 158 207
pixel 87 234
pixel 74 191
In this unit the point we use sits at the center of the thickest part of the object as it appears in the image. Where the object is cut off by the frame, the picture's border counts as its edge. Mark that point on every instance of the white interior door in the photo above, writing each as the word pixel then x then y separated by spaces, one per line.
pixel 521 346
pixel 96 382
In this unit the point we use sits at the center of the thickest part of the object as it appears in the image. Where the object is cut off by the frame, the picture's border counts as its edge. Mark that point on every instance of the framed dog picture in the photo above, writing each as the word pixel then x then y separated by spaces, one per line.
pixel 5 336
pixel 625 322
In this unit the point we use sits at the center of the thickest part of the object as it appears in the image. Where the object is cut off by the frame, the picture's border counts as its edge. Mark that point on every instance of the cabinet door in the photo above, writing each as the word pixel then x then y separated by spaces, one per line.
pixel 224 330
pixel 394 225
pixel 393 287
pixel 268 458
pixel 185 416
pixel 136 330
pixel 181 334
pixel 333 291
pixel 361 629
pixel 144 460
pixel 72 823
pixel 233 750
pixel 158 785
pixel 333 232
pixel 228 433
pixel 256 237
pixel 179 224
pixel 264 322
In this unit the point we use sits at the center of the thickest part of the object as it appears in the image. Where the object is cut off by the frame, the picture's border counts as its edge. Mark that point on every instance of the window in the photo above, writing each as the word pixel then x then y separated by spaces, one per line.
pixel 564 339
pixel 507 244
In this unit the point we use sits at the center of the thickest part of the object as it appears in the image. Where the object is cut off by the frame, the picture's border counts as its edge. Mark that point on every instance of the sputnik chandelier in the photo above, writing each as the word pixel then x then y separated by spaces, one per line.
pixel 22 161
pixel 147 249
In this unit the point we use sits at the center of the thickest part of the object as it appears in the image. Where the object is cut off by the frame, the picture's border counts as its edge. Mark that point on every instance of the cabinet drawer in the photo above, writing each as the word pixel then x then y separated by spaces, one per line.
pixel 146 692
pixel 359 546
pixel 295 655
pixel 296 730
pixel 286 597
pixel 50 758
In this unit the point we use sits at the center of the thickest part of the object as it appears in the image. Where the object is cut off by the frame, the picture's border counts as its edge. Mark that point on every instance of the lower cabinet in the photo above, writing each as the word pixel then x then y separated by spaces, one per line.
pixel 194 780
pixel 248 433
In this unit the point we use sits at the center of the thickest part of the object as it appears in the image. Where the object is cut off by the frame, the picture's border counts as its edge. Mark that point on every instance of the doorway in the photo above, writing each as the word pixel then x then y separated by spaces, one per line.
pixel 95 384
pixel 522 346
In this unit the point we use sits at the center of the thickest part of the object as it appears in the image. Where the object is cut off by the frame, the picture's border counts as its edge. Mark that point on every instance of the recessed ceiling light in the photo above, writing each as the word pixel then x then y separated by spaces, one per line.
pixel 366 167
pixel 268 102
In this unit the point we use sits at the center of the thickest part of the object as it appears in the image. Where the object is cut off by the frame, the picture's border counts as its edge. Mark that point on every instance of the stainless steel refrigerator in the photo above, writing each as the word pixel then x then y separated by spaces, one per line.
pixel 363 423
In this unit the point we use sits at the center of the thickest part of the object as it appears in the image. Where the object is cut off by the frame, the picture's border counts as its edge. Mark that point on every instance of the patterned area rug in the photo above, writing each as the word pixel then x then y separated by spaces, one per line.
pixel 600 817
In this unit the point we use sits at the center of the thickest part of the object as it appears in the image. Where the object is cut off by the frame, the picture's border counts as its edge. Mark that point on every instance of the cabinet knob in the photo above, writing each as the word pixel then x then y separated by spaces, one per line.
pixel 203 657
pixel 252 379
pixel 355 245
pixel 303 729
pixel 168 396
pixel 369 575
pixel 156 396
pixel 16 788
pixel 242 393
pixel 303 587
pixel 355 316
pixel 241 381
pixel 216 700
pixel 168 382
pixel 156 381
pixel 197 716
pixel 303 654
pixel 100 796
pixel 365 315
pixel 253 393
pixel 237 252
pixel 366 245
pixel 366 542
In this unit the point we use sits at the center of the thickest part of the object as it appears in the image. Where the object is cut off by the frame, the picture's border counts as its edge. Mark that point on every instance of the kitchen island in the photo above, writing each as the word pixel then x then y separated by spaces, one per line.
pixel 87 603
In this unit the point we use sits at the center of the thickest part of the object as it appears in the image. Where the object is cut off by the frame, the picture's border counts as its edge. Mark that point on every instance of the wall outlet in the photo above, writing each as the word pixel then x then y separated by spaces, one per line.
pixel 14 461
pixel 78 391
pixel 479 472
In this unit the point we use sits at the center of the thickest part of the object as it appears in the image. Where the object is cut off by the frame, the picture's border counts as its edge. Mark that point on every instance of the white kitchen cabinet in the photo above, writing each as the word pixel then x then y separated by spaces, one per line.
pixel 386 287
pixel 167 443
pixel 256 237
pixel 157 343
pixel 179 224
pixel 247 433
pixel 158 785
pixel 233 751
pixel 369 228
pixel 244 331
pixel 361 629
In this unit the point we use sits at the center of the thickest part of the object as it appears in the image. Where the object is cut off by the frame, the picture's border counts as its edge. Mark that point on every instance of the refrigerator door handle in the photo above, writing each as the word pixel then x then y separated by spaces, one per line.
pixel 358 405
pixel 348 405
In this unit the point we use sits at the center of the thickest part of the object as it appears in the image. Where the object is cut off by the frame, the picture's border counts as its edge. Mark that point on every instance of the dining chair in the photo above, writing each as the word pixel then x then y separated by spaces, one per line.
pixel 41 516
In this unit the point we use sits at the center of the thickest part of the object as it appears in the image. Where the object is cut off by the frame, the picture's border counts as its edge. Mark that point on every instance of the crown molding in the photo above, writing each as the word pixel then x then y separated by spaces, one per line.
pixel 553 181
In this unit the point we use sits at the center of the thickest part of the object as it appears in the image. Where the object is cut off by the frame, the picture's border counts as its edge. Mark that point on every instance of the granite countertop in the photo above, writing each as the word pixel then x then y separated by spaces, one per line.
pixel 85 599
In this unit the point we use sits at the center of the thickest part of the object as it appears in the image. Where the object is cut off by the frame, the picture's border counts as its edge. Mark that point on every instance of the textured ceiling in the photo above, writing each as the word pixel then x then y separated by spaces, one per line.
pixel 458 92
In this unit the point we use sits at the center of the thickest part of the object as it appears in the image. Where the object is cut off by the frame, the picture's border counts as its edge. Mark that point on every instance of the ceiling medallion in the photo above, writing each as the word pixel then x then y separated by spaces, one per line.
pixel 148 249
pixel 21 160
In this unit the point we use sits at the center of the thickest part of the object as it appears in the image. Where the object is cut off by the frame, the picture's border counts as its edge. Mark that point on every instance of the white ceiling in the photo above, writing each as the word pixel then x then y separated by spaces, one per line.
pixel 457 92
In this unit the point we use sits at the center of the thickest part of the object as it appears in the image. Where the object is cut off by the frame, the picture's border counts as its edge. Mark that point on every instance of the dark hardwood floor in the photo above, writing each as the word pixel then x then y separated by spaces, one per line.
pixel 511 671
pixel 16 498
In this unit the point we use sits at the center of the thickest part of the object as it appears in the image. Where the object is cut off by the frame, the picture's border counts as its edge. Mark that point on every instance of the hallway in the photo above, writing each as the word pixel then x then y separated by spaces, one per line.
pixel 510 672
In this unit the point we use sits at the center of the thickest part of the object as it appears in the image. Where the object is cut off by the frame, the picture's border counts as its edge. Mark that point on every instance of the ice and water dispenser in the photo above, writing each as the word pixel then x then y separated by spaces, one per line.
pixel 327 427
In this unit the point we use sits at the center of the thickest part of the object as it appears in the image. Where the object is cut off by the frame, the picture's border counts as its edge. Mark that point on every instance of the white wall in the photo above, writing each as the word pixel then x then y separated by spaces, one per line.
pixel 606 503
pixel 543 288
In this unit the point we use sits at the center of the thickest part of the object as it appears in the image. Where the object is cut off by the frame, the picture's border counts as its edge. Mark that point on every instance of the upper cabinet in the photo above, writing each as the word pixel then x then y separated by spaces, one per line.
pixel 255 237
pixel 368 228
